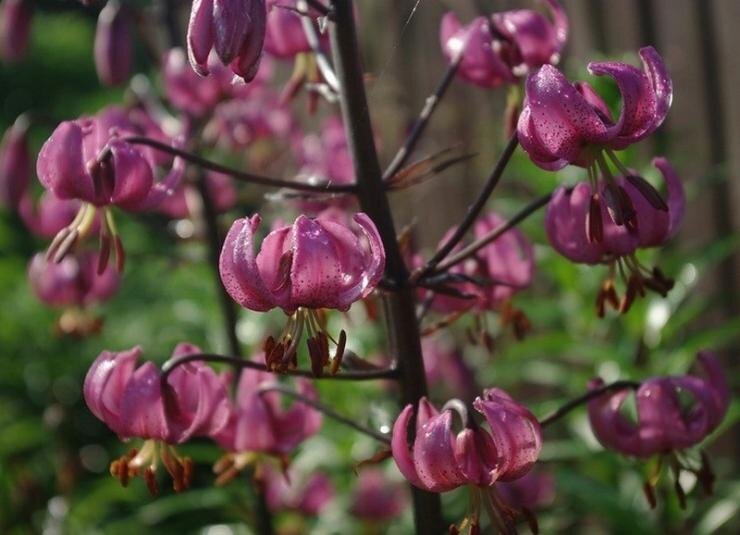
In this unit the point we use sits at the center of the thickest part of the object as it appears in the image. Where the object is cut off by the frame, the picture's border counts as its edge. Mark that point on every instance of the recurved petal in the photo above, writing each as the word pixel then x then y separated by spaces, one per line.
pixel 676 196
pixel 716 381
pixel 609 426
pixel 515 432
pixel 200 35
pixel 106 382
pixel 133 176
pixel 434 455
pixel 561 121
pixel 565 223
pixel 142 406
pixel 231 24
pixel 402 454
pixel 247 61
pixel 60 166
pixel 238 267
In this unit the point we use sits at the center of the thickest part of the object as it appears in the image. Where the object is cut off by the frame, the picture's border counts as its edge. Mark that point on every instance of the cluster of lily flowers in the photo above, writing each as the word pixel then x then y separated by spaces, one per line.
pixel 329 259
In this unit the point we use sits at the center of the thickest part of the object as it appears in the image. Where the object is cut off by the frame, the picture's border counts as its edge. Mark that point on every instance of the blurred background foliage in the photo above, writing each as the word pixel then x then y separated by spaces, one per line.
pixel 54 454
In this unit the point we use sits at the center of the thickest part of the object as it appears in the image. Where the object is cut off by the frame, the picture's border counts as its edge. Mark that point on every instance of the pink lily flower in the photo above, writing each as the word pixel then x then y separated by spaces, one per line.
pixel 564 123
pixel 285 37
pixel 196 95
pixel 498 50
pixel 664 424
pixel 259 425
pixel 49 216
pixel 133 402
pixel 15 28
pixel 301 268
pixel 441 460
pixel 113 45
pixel 673 413
pixel 580 228
pixel 73 282
pixel 235 29
pixel 376 499
pixel 15 164
pixel 302 493
pixel 88 160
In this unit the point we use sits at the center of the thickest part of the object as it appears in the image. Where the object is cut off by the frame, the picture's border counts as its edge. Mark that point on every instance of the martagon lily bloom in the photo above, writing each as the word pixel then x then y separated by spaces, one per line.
pixel 302 268
pixel 89 160
pixel 500 49
pixel 489 280
pixel 582 230
pixel 235 29
pixel 258 424
pixel 441 460
pixel 673 413
pixel 135 403
pixel 564 123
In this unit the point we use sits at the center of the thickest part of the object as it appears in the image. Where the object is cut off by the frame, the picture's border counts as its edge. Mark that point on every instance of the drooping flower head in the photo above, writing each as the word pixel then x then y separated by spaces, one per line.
pixel 580 228
pixel 72 282
pixel 491 278
pixel 497 50
pixel 113 44
pixel 673 413
pixel 441 460
pixel 89 160
pixel 15 28
pixel 135 403
pixel 306 494
pixel 310 265
pixel 376 498
pixel 197 95
pixel 258 423
pixel 15 164
pixel 235 29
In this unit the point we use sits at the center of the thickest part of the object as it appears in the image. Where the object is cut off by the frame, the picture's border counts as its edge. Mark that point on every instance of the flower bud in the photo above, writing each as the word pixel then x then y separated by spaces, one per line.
pixel 15 164
pixel 113 47
pixel 15 28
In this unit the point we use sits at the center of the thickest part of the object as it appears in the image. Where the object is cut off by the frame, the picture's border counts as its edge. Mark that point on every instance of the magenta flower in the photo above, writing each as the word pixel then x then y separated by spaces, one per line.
pixel 235 29
pixel 185 202
pixel 15 164
pixel 258 423
pixel 72 282
pixel 15 28
pixel 113 45
pixel 441 460
pixel 293 491
pixel 240 123
pixel 133 402
pixel 377 499
pixel 664 422
pixel 310 265
pixel 89 160
pixel 580 227
pixel 673 413
pixel 563 123
pixel 498 50
pixel 196 95
pixel 285 37
pixel 50 215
